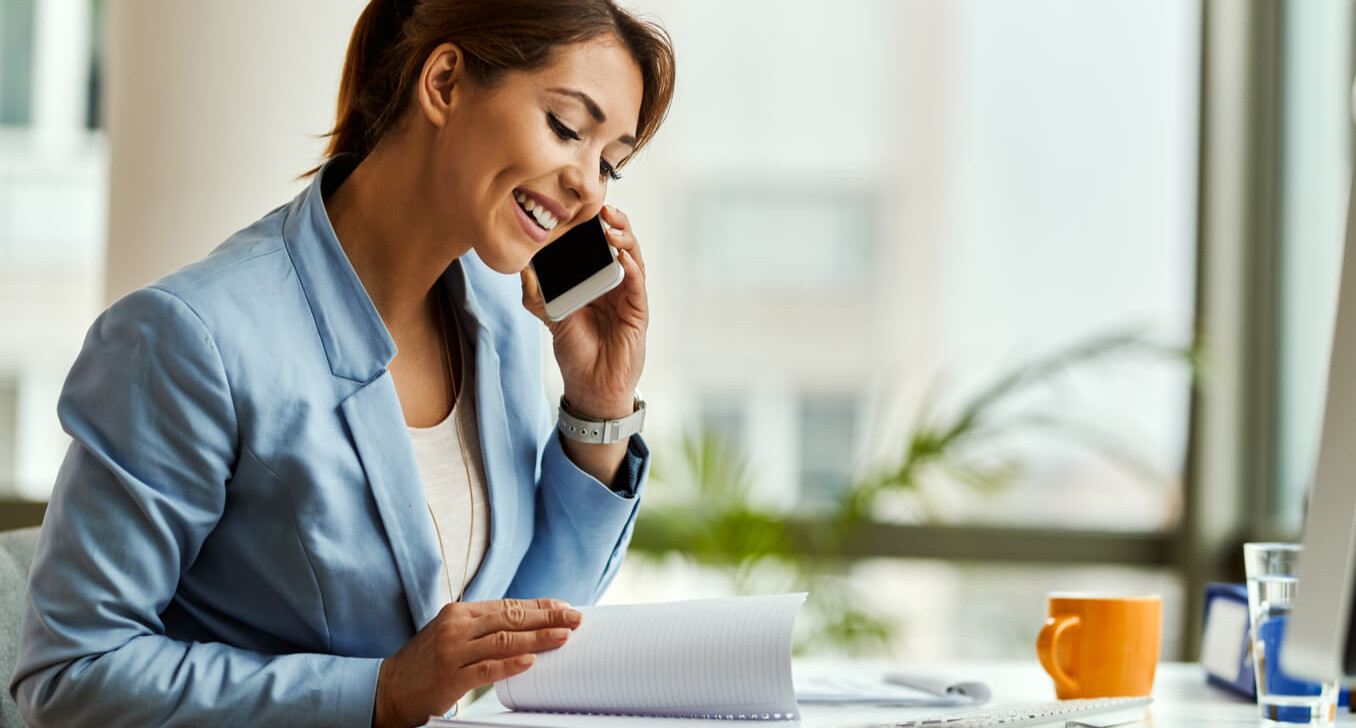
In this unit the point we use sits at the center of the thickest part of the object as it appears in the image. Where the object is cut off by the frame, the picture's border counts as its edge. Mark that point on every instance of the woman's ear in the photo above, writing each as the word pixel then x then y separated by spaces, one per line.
pixel 443 75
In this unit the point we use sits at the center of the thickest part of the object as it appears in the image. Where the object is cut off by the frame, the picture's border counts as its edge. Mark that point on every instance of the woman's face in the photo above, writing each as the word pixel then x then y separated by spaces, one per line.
pixel 548 140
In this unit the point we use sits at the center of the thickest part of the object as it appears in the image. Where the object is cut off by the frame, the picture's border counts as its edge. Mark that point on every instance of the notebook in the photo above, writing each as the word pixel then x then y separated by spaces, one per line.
pixel 689 664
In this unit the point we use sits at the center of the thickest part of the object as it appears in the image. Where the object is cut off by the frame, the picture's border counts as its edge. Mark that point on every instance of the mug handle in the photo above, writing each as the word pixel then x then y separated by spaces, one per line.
pixel 1045 649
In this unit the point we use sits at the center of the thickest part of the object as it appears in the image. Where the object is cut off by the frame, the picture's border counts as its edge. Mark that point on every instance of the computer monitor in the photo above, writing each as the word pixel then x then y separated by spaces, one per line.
pixel 1319 642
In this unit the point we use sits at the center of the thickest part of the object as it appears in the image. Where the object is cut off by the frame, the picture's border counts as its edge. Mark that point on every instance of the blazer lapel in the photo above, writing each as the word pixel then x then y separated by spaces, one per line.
pixel 505 492
pixel 378 427
pixel 492 417
pixel 359 348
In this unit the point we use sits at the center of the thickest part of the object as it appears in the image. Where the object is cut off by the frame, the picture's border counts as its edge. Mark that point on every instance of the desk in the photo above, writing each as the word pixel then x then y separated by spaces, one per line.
pixel 1182 699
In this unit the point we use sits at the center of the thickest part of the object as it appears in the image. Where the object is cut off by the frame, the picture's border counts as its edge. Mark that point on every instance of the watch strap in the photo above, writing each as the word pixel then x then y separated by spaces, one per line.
pixel 600 432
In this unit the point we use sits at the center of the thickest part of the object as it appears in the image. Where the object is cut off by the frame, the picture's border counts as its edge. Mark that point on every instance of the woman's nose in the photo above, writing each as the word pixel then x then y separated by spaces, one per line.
pixel 586 184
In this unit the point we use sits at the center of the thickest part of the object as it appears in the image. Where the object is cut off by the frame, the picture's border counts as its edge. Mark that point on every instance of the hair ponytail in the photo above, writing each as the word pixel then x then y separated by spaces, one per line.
pixel 366 88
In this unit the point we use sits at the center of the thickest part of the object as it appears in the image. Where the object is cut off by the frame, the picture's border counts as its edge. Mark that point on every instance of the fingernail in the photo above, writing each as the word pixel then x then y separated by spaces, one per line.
pixel 573 616
pixel 615 232
pixel 560 634
pixel 525 660
pixel 610 209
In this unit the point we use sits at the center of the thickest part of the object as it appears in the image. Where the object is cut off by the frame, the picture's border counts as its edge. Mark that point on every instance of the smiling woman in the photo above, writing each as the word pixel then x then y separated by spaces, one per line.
pixel 314 481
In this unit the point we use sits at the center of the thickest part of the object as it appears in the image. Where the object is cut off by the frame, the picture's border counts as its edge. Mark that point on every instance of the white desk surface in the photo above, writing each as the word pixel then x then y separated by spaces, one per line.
pixel 1182 698
pixel 1181 695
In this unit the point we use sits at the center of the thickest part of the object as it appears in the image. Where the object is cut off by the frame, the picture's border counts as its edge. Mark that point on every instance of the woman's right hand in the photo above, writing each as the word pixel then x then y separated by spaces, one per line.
pixel 466 646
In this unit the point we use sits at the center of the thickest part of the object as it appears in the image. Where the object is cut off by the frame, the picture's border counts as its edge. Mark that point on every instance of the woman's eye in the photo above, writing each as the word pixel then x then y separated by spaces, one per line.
pixel 565 133
pixel 559 129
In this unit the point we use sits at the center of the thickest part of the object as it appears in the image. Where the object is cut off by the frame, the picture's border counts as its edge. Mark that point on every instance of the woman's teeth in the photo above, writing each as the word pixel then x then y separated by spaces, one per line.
pixel 545 219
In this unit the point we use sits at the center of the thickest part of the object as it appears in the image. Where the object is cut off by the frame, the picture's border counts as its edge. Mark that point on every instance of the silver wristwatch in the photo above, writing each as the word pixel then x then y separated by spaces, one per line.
pixel 600 432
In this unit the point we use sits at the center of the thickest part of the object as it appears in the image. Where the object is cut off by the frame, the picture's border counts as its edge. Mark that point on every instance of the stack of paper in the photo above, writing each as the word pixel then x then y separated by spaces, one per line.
pixel 691 662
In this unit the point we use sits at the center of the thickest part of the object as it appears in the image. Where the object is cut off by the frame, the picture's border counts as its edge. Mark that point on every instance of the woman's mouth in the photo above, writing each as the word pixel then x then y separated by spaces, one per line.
pixel 540 215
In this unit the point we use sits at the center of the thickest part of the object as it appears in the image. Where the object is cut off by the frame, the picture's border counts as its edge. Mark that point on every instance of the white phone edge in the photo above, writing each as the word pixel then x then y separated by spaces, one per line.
pixel 586 291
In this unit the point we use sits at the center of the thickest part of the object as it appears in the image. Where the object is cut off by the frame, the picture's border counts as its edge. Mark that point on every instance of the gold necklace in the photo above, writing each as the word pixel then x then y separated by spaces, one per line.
pixel 465 460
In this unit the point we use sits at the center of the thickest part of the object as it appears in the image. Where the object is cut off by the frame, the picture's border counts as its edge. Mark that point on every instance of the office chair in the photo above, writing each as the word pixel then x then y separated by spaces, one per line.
pixel 16 556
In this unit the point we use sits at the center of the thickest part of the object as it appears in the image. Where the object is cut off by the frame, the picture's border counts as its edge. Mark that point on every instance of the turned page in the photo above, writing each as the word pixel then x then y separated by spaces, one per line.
pixel 707 658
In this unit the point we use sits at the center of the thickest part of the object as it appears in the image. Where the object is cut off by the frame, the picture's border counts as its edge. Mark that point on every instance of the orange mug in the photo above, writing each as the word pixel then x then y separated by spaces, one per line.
pixel 1101 646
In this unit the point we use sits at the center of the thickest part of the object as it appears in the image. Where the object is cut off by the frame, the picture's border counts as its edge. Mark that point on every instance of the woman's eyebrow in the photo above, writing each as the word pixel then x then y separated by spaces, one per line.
pixel 593 108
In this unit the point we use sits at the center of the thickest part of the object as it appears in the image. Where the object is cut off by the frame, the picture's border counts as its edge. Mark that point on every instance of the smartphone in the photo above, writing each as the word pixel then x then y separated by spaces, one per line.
pixel 576 268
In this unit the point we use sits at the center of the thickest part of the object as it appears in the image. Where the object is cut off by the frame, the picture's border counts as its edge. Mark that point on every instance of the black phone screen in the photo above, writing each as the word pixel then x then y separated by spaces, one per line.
pixel 571 259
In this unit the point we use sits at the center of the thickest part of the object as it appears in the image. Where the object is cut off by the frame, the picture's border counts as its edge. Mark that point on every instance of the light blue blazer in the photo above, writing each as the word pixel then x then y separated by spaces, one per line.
pixel 239 532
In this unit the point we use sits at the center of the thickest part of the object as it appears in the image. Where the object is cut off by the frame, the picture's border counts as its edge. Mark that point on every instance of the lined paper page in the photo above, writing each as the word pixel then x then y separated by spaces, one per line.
pixel 706 658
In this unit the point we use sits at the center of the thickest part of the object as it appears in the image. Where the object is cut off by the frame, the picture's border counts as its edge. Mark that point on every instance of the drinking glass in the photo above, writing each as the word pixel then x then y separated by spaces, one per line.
pixel 1272 581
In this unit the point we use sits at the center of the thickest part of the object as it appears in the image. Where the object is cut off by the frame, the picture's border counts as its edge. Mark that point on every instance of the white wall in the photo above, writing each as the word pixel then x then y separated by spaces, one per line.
pixel 213 111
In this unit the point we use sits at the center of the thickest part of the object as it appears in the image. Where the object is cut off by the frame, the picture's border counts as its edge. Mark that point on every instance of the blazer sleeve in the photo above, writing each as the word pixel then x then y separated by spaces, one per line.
pixel 150 410
pixel 582 528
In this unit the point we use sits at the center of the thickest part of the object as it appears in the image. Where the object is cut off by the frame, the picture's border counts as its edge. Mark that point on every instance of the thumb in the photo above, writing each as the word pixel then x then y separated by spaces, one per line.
pixel 532 300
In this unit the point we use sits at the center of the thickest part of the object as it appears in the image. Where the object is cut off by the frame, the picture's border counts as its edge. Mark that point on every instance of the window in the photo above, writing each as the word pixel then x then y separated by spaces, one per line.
pixel 722 416
pixel 16 61
pixel 952 189
pixel 802 94
pixel 95 87
pixel 828 438
pixel 783 240
pixel 52 211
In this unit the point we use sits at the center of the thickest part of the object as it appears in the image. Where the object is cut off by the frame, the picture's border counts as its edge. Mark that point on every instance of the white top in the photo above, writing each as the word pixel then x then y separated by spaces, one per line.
pixel 455 488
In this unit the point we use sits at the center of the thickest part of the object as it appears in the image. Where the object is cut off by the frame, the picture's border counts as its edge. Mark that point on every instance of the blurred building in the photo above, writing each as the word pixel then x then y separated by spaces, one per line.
pixel 53 196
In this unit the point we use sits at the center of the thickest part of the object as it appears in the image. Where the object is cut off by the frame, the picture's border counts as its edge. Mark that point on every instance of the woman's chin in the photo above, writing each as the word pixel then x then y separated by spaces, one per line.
pixel 504 261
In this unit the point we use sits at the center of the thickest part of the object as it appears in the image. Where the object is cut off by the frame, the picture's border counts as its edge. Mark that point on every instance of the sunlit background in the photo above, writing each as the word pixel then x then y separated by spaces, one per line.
pixel 860 214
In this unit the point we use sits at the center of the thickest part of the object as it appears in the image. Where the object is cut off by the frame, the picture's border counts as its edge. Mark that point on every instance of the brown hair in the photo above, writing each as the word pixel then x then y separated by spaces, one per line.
pixel 393 38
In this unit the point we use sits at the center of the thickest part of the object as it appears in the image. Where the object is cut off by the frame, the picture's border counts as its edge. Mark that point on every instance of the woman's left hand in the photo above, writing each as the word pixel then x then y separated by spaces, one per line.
pixel 601 347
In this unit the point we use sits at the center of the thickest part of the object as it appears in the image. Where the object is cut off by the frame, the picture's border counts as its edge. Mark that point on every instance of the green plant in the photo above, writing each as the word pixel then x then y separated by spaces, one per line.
pixel 712 519
pixel 959 445
pixel 708 515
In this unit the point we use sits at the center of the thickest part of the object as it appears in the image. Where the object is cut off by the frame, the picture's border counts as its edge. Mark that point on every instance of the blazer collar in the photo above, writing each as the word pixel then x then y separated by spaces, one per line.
pixel 355 338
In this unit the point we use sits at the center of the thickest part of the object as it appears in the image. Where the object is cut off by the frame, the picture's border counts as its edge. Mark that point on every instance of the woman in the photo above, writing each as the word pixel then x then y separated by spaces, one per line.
pixel 314 479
